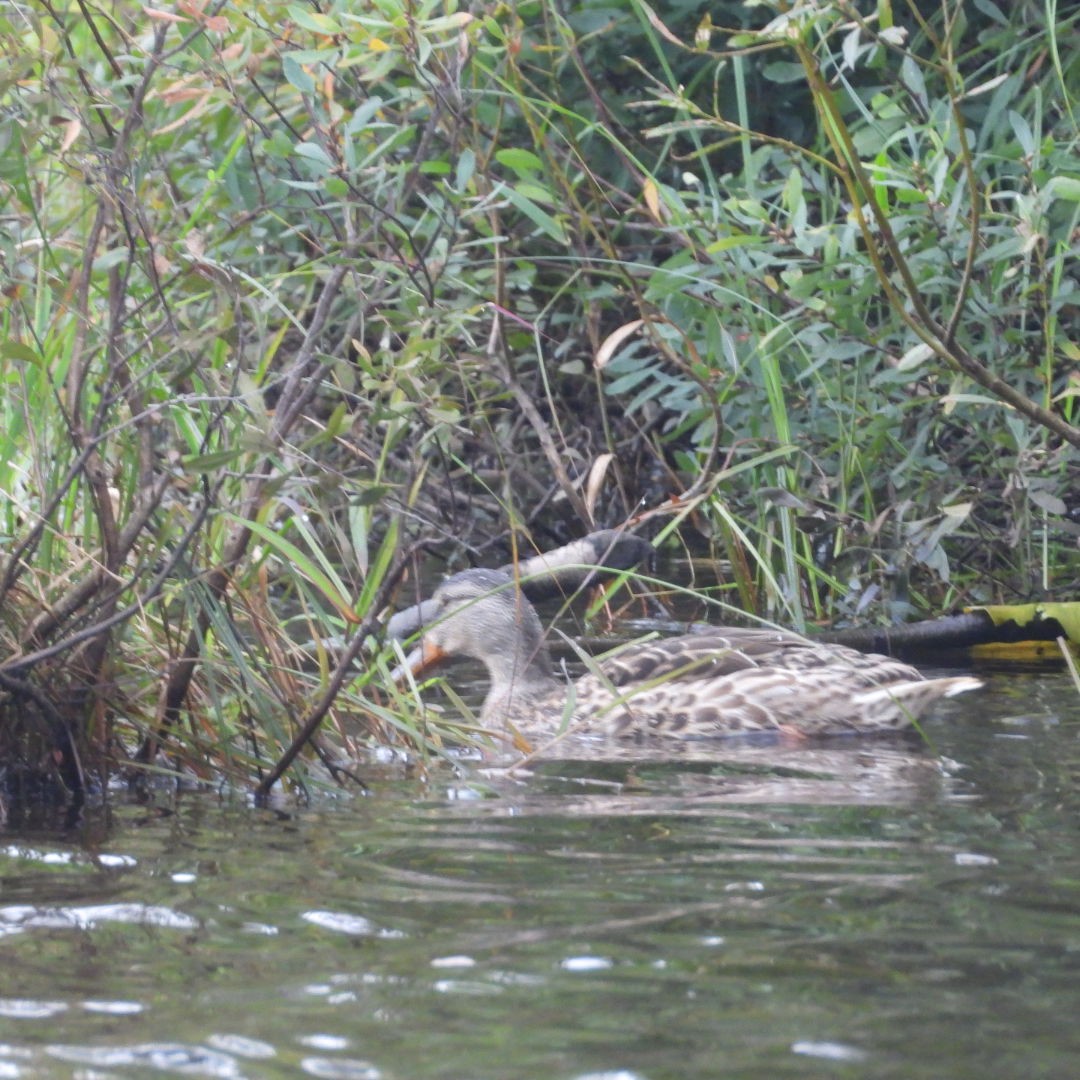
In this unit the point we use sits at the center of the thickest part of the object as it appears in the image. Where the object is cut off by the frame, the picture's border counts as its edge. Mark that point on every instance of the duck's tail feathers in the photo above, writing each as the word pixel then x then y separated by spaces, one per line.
pixel 901 702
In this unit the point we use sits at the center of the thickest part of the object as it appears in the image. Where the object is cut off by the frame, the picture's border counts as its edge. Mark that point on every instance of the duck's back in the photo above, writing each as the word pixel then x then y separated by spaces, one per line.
pixel 730 681
pixel 718 651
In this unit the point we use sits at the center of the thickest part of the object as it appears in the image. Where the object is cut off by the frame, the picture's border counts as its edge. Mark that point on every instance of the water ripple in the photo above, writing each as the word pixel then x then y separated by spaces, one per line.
pixel 20 917
pixel 179 1058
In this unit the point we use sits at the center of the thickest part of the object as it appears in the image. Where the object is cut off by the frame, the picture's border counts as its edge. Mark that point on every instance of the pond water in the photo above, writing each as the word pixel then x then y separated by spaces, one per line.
pixel 858 908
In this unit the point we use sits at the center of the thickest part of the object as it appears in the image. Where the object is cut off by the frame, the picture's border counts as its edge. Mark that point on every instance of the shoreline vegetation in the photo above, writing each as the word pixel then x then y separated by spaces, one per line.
pixel 299 298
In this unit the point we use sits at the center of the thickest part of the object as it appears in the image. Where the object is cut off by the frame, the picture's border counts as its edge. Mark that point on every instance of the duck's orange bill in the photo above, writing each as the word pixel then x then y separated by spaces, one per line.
pixel 422 660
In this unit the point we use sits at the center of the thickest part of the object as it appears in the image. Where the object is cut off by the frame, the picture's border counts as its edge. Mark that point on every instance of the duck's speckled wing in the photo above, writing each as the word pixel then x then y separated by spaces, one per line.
pixel 730 680
pixel 714 653
pixel 826 699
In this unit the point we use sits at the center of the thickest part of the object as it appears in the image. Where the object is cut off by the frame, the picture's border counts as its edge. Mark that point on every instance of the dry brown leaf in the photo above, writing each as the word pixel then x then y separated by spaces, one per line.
pixel 659 27
pixel 164 16
pixel 196 110
pixel 595 482
pixel 612 342
pixel 651 194
pixel 72 130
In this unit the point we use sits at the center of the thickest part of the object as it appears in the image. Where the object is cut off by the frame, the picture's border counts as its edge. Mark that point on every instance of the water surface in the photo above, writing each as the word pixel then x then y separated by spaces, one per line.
pixel 856 908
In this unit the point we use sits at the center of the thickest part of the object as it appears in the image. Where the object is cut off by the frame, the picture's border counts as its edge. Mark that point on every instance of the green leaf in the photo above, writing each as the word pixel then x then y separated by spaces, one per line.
pixel 1022 131
pixel 331 587
pixel 466 166
pixel 278 145
pixel 541 218
pixel 209 463
pixel 315 21
pixel 992 11
pixel 16 350
pixel 535 192
pixel 314 153
pixel 110 259
pixel 1064 187
pixel 783 71
pixel 296 76
pixel 523 162
pixel 912 77
pixel 736 240
pixel 364 114
pixel 372 494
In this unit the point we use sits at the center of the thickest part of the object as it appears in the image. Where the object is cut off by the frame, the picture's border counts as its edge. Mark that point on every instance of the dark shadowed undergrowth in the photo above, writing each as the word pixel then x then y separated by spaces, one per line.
pixel 294 292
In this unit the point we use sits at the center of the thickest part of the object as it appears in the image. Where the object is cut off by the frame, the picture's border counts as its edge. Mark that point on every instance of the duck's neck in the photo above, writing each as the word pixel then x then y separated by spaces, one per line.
pixel 520 679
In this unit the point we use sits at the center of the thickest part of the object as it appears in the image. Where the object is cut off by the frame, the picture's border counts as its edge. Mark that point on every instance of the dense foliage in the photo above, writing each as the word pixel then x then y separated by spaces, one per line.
pixel 288 286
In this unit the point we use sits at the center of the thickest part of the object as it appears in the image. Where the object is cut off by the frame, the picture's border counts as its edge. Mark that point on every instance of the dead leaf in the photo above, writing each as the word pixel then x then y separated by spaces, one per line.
pixel 595 481
pixel 612 342
pixel 72 130
pixel 164 16
pixel 196 110
pixel 651 194
pixel 659 27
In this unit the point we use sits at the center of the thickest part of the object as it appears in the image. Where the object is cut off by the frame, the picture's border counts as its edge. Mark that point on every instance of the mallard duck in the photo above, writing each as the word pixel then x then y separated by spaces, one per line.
pixel 723 681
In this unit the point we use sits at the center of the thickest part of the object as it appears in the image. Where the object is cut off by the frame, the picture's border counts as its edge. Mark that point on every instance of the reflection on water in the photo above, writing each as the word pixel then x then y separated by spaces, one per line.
pixel 856 908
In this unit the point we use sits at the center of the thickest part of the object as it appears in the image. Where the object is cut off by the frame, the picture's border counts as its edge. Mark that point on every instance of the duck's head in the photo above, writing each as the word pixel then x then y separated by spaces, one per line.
pixel 482 615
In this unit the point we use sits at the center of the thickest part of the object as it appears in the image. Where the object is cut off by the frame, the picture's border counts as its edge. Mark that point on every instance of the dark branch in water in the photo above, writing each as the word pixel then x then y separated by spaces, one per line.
pixel 958 632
